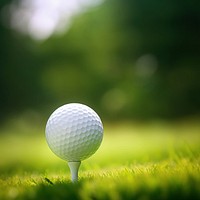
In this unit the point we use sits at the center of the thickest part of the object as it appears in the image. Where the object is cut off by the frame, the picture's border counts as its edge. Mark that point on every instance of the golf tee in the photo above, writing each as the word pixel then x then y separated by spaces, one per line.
pixel 74 167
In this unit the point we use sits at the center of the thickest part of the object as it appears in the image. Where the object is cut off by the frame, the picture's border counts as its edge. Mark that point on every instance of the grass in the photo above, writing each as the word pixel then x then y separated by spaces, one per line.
pixel 157 160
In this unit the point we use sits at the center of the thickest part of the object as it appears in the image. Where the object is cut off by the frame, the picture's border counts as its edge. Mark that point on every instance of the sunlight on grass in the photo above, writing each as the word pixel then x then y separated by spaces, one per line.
pixel 122 144
pixel 135 160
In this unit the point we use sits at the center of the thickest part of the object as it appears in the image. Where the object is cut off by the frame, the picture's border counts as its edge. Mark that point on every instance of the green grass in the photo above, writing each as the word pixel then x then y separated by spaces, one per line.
pixel 157 160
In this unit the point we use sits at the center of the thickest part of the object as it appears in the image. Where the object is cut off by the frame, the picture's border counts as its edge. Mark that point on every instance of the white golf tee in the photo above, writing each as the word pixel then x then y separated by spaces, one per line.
pixel 74 167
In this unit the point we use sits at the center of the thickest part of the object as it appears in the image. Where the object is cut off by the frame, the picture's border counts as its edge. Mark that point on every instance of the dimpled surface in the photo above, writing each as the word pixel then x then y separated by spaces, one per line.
pixel 74 132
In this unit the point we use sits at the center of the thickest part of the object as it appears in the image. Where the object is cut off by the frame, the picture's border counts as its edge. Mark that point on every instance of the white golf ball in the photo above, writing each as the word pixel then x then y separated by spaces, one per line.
pixel 74 132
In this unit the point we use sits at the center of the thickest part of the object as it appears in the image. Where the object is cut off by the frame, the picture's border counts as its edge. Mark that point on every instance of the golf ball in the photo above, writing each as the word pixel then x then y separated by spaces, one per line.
pixel 74 132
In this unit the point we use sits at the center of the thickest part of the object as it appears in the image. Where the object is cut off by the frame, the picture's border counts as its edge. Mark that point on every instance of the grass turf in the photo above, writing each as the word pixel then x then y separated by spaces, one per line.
pixel 157 160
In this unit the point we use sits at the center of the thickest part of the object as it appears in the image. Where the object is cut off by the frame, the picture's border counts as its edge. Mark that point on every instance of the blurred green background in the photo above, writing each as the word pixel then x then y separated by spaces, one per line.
pixel 127 59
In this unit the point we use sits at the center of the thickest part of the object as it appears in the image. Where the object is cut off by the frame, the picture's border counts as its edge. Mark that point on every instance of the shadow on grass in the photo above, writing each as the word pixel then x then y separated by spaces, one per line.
pixel 90 189
pixel 52 191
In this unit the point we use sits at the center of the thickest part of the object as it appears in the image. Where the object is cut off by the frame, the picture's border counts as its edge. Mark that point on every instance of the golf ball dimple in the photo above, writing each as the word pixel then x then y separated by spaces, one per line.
pixel 74 132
